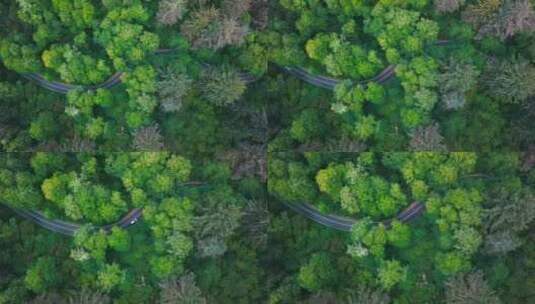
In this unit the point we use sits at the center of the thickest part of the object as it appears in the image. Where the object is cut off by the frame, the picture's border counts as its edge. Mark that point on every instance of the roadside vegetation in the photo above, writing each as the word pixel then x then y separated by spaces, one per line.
pixel 216 121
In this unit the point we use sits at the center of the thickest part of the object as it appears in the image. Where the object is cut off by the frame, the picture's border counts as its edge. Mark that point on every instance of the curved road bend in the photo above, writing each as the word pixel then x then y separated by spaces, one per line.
pixel 115 79
pixel 69 229
pixel 316 80
pixel 329 83
pixel 345 224
pixel 329 220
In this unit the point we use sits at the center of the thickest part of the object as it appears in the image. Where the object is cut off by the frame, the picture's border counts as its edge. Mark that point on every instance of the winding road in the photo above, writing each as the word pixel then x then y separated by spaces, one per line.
pixel 329 220
pixel 315 80
pixel 344 223
pixel 68 228
pixel 115 79
pixel 307 210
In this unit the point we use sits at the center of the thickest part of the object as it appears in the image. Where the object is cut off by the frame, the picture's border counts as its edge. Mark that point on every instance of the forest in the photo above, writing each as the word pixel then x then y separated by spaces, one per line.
pixel 267 151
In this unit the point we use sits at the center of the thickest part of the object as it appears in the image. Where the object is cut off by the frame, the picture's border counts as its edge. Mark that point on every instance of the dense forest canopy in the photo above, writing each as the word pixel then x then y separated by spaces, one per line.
pixel 267 151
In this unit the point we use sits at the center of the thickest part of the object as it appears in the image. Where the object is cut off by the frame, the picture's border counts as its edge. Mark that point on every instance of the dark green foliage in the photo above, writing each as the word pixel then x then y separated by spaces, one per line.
pixel 205 152
pixel 317 273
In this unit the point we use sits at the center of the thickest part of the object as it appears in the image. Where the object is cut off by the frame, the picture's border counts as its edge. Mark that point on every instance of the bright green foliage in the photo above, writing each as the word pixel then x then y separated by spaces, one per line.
pixel 40 16
pixel 140 85
pixel 73 66
pixel 391 273
pixel 359 192
pixel 44 127
pixel 82 106
pixel 341 58
pixel 18 188
pixel 289 181
pixel 213 223
pixel 77 14
pixel 367 239
pixel 399 28
pixel 111 276
pixel 42 275
pixel 318 273
pixel 418 78
pixel 351 97
pixel 399 235
pixel 19 56
pixel 119 239
pixel 152 171
pixel 81 196
pixel 84 102
pixel 451 263
pixel 468 240
pixel 124 40
pixel 44 164
pixel 306 126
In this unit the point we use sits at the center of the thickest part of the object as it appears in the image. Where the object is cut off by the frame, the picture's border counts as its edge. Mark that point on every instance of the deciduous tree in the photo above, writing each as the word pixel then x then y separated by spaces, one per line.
pixel 111 276
pixel 222 86
pixel 427 138
pixel 218 222
pixel 391 273
pixel 448 6
pixel 86 296
pixel 42 275
pixel 148 139
pixel 456 79
pixel 170 11
pixel 209 28
pixel 318 273
pixel 181 290
pixel 470 289
pixel 367 295
pixel 511 81
pixel 172 90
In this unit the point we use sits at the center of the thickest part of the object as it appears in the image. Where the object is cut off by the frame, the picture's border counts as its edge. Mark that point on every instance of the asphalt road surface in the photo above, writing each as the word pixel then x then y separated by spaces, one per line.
pixel 328 220
pixel 315 80
pixel 307 210
pixel 345 223
pixel 68 228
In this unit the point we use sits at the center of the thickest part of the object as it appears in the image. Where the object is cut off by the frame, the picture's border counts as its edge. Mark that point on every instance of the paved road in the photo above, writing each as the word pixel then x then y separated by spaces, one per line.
pixel 329 83
pixel 329 220
pixel 315 80
pixel 115 79
pixel 64 88
pixel 68 228
pixel 345 223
